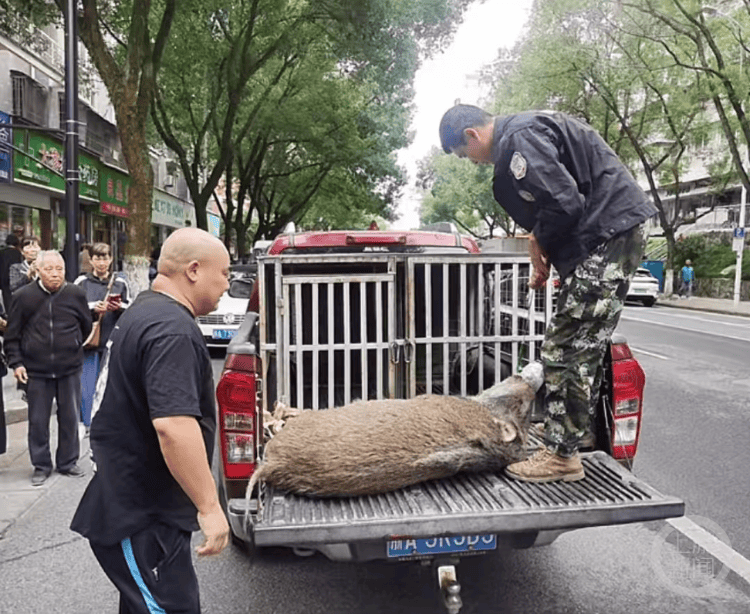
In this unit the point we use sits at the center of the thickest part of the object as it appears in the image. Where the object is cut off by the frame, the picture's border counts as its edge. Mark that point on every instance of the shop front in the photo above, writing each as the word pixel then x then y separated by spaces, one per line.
pixel 108 223
pixel 32 201
pixel 167 214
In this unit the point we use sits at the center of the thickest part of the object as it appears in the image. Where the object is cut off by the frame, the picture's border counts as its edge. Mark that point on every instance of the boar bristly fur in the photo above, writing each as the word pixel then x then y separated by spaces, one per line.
pixel 370 447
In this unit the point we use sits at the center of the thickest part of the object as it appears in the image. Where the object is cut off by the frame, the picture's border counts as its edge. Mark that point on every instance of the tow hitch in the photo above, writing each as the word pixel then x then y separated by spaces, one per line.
pixel 450 589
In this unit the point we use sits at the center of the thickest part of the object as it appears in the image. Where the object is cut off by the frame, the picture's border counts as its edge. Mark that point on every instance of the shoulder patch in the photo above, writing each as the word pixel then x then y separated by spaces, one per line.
pixel 527 196
pixel 518 165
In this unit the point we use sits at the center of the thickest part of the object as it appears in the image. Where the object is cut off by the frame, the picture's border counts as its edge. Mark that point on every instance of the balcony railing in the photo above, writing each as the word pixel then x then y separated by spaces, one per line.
pixel 42 45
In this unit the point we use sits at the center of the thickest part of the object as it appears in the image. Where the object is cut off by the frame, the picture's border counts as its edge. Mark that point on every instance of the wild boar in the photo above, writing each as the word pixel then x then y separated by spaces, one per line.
pixel 370 447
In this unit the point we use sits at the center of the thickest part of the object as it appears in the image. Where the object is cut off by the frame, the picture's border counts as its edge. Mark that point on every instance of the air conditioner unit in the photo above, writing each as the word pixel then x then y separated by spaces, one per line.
pixel 169 181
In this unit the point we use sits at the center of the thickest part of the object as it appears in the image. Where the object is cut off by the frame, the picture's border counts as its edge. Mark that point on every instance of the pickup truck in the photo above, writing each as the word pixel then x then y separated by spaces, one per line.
pixel 346 315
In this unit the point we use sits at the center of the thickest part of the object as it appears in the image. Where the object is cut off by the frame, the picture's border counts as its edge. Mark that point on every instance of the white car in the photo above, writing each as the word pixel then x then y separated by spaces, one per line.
pixel 644 287
pixel 219 326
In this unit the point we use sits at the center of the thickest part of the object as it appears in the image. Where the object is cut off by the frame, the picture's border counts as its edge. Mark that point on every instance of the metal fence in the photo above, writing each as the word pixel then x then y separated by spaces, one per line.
pixel 337 328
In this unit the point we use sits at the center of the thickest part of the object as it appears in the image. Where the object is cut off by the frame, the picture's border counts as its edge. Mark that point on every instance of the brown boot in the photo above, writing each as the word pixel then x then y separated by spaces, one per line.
pixel 546 466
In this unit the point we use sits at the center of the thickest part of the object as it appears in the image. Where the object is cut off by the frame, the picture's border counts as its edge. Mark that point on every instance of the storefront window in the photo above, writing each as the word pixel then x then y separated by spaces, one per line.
pixel 4 223
pixel 101 229
pixel 155 237
pixel 21 220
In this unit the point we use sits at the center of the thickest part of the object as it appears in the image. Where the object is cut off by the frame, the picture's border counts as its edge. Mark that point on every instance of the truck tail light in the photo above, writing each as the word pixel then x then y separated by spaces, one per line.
pixel 628 382
pixel 237 396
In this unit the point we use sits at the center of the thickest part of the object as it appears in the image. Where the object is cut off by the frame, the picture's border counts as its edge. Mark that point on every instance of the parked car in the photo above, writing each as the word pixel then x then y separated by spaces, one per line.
pixel 643 288
pixel 221 325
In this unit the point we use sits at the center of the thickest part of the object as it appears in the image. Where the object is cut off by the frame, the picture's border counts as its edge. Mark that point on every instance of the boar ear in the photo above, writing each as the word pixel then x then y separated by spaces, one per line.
pixel 508 431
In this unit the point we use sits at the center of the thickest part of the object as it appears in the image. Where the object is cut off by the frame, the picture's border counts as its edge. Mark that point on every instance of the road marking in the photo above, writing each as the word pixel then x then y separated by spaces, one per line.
pixel 683 328
pixel 723 553
pixel 647 353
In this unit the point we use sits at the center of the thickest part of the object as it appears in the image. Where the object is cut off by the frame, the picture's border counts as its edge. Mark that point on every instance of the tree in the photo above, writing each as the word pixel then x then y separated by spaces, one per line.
pixel 605 63
pixel 284 53
pixel 205 104
pixel 461 192
pixel 126 42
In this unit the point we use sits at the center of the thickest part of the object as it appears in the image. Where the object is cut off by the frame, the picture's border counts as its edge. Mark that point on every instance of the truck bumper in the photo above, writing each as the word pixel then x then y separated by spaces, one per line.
pixel 463 504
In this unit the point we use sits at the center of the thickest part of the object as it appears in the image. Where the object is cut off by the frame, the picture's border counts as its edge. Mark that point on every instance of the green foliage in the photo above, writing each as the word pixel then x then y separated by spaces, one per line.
pixel 461 192
pixel 656 78
pixel 302 104
pixel 710 257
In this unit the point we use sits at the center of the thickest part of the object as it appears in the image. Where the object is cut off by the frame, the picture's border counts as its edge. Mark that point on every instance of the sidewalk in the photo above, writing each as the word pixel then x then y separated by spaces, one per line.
pixel 17 495
pixel 702 303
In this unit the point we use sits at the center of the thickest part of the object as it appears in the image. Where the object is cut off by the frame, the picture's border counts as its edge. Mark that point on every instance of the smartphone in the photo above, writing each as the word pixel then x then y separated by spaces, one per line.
pixel 115 299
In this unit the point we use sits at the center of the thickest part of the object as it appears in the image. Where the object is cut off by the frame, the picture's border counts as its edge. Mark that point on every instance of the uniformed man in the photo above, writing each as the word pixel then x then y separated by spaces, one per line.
pixel 557 178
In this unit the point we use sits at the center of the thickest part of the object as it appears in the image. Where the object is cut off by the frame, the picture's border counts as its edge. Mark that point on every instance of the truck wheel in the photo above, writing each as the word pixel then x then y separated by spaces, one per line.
pixel 649 301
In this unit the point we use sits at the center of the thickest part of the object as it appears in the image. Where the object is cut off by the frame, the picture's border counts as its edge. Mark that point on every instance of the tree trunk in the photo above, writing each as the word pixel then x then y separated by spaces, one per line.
pixel 668 266
pixel 138 244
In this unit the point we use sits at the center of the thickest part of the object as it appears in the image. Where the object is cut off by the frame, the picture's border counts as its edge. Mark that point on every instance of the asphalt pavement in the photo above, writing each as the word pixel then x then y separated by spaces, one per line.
pixel 18 496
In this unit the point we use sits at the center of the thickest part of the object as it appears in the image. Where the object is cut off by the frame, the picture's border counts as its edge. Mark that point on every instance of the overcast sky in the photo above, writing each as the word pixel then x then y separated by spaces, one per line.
pixel 451 75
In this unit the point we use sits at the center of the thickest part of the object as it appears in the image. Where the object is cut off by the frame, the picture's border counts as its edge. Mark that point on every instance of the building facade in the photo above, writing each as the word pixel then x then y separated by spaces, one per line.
pixel 32 121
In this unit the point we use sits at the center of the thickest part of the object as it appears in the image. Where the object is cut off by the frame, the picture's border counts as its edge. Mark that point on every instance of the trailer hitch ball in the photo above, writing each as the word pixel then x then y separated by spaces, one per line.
pixel 450 589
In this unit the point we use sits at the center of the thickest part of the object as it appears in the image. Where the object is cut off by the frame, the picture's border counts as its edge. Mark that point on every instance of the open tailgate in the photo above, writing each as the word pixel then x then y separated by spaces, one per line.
pixel 464 504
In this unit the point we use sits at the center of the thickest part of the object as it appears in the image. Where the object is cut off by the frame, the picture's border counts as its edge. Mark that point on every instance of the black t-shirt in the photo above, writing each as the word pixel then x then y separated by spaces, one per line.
pixel 157 366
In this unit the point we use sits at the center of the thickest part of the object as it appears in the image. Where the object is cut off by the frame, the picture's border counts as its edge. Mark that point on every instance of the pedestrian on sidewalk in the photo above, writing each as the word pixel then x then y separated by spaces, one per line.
pixel 48 321
pixel 152 435
pixel 558 179
pixel 25 271
pixel 8 257
pixel 108 296
pixel 687 276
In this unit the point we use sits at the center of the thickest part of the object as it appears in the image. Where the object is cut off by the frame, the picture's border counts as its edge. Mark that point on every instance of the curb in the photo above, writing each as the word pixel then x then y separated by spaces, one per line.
pixel 16 411
pixel 727 312
pixel 711 558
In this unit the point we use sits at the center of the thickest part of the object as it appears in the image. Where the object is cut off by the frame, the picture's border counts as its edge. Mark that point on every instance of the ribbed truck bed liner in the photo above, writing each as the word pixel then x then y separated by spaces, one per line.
pixel 464 504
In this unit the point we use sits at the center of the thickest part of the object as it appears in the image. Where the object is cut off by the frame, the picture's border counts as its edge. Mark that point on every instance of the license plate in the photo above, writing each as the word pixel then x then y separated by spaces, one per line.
pixel 400 548
pixel 222 333
pixel 640 290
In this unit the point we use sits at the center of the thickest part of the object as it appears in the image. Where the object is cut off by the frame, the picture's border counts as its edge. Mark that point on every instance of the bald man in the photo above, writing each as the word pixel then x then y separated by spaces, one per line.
pixel 152 435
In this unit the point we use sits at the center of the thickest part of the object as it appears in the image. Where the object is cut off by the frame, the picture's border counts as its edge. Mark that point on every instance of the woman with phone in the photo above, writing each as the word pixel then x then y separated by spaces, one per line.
pixel 108 295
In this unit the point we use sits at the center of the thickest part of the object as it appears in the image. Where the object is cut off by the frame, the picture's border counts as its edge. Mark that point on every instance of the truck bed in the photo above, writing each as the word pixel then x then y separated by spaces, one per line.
pixel 466 503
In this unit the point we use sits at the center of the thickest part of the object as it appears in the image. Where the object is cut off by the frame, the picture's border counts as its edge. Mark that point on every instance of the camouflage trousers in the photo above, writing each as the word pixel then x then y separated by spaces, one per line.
pixel 588 309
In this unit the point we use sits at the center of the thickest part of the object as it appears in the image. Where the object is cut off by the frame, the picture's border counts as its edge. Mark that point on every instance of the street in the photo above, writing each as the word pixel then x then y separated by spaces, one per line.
pixel 695 432
pixel 696 391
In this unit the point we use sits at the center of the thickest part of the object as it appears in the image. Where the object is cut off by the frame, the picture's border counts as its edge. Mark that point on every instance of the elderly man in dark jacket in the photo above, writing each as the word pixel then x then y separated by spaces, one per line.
pixel 48 323
pixel 558 179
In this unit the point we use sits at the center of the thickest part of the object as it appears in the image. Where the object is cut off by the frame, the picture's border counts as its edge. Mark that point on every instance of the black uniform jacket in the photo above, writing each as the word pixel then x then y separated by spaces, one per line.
pixel 557 177
pixel 46 330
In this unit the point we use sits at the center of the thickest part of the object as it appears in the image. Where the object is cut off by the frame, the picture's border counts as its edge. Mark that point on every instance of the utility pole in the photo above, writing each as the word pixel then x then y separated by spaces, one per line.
pixel 739 245
pixel 72 174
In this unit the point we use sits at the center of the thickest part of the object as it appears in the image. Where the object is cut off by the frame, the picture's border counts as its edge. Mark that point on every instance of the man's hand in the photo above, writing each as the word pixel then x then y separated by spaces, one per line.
pixel 540 263
pixel 20 374
pixel 215 529
pixel 538 281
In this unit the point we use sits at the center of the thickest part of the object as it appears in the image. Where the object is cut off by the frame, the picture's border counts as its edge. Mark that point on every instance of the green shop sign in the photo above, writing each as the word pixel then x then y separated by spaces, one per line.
pixel 42 165
pixel 114 192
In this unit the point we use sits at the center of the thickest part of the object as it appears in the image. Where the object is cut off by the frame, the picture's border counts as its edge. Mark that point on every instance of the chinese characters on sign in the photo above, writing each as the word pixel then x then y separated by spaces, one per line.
pixel 43 164
pixel 6 159
pixel 113 209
